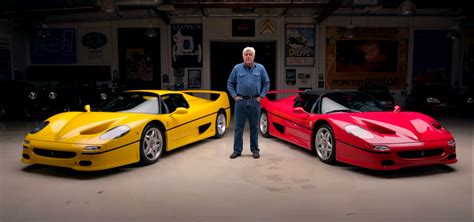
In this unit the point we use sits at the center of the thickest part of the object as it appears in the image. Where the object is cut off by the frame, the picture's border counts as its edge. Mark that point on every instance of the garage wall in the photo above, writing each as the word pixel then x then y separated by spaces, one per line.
pixel 218 27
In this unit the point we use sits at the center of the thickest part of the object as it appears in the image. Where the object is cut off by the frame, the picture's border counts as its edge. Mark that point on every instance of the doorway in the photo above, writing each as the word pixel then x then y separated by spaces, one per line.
pixel 139 59
pixel 225 55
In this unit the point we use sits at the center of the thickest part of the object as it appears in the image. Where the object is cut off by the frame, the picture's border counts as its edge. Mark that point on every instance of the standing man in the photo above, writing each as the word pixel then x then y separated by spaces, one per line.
pixel 248 83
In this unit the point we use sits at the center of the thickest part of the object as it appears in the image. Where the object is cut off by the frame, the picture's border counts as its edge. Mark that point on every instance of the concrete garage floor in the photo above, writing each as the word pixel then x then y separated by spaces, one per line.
pixel 200 183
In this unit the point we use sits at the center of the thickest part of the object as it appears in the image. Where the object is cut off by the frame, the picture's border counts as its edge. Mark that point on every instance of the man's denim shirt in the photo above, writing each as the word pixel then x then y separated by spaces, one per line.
pixel 245 82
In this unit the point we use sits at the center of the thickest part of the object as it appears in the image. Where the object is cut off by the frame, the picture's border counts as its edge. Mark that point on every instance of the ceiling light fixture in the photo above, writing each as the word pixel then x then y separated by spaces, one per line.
pixel 454 32
pixel 407 7
pixel 349 33
pixel 43 32
pixel 150 32
pixel 108 6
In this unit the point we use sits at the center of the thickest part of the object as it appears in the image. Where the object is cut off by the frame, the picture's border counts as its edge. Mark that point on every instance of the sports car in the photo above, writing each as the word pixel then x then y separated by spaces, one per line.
pixel 130 127
pixel 352 127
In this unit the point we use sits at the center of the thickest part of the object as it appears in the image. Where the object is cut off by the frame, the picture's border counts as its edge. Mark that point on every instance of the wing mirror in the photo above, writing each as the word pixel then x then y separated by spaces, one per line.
pixel 181 110
pixel 87 108
pixel 298 110
pixel 397 109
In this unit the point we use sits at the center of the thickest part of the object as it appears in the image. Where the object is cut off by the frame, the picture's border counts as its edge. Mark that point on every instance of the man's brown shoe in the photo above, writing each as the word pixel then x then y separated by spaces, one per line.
pixel 234 155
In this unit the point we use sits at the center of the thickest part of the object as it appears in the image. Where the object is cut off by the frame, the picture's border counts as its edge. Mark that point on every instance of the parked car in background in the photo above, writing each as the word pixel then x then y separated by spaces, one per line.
pixel 354 128
pixel 85 92
pixel 380 93
pixel 431 97
pixel 465 101
pixel 20 99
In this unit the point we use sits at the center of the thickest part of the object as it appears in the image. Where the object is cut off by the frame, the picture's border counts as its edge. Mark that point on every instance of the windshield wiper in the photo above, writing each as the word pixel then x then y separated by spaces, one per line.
pixel 343 110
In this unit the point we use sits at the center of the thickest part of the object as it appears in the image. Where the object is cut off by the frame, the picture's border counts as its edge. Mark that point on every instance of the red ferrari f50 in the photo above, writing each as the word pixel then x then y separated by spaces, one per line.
pixel 352 127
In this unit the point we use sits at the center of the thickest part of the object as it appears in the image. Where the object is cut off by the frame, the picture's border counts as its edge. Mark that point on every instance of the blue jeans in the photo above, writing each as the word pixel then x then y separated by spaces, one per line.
pixel 246 109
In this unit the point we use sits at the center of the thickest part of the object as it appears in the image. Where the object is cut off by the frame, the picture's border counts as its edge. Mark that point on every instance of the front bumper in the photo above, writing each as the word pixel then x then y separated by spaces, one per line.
pixel 400 156
pixel 71 155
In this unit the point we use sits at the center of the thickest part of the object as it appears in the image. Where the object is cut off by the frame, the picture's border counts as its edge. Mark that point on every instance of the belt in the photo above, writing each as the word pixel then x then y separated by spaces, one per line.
pixel 249 97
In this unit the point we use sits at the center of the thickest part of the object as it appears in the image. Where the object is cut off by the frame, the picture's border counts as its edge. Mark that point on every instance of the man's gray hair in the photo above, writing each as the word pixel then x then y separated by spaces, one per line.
pixel 248 49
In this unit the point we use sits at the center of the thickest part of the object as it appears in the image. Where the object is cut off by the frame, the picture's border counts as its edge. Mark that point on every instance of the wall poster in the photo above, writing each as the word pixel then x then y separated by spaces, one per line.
pixel 374 56
pixel 431 64
pixel 194 78
pixel 300 45
pixel 139 64
pixel 5 59
pixel 186 45
pixel 58 48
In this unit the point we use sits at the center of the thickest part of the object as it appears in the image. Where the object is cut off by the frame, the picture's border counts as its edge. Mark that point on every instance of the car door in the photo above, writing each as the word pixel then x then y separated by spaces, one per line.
pixel 299 124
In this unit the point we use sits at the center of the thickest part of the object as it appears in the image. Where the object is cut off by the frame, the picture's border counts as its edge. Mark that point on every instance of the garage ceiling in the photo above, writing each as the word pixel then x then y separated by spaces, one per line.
pixel 321 8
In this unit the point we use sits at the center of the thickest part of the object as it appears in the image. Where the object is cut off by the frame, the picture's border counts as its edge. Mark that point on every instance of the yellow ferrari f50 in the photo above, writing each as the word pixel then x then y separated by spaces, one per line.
pixel 133 126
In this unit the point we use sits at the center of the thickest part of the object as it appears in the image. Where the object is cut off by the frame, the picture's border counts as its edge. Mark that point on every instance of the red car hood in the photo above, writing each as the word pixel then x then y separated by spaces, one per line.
pixel 394 127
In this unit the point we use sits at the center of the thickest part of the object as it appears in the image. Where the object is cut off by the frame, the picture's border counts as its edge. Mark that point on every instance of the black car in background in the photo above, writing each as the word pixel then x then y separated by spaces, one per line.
pixel 432 97
pixel 465 101
pixel 20 99
pixel 78 93
pixel 380 93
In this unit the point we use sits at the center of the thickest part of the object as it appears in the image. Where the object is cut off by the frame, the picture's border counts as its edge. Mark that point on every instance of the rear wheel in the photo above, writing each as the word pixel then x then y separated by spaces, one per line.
pixel 263 124
pixel 152 144
pixel 221 125
pixel 324 144
pixel 2 110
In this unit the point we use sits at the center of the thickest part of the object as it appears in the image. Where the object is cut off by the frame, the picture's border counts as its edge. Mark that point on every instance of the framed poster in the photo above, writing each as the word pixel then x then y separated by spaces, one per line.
pixel 290 77
pixel 194 78
pixel 431 64
pixel 139 64
pixel 300 45
pixel 243 28
pixel 58 48
pixel 186 45
pixel 5 59
pixel 374 56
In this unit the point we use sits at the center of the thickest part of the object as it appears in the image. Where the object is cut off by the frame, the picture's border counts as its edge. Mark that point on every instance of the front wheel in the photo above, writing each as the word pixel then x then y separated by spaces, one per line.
pixel 152 145
pixel 221 125
pixel 263 125
pixel 325 145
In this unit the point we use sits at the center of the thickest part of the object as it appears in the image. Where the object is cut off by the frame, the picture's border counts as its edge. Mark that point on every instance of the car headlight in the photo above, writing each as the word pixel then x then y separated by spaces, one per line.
pixel 432 100
pixel 52 95
pixel 32 95
pixel 39 127
pixel 115 132
pixel 103 96
pixel 358 132
pixel 452 144
pixel 469 100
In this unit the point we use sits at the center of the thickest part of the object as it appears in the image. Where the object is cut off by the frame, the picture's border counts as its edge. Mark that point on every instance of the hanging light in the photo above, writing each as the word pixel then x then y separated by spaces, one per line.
pixel 407 7
pixel 454 32
pixel 349 33
pixel 43 31
pixel 108 6
pixel 150 32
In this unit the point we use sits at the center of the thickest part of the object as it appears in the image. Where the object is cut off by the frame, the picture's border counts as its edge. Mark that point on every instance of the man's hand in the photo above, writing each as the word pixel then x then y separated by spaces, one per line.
pixel 237 98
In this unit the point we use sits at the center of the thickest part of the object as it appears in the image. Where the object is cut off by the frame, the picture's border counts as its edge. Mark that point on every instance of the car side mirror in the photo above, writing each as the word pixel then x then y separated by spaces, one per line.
pixel 396 109
pixel 87 108
pixel 298 110
pixel 181 110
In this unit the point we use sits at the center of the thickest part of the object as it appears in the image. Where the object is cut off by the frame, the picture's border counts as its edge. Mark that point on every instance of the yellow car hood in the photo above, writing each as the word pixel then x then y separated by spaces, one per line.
pixel 86 127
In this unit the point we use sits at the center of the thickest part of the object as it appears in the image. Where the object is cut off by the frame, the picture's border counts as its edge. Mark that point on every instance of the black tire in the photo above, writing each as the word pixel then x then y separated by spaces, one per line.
pixel 221 125
pixel 263 124
pixel 152 144
pixel 3 110
pixel 325 144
